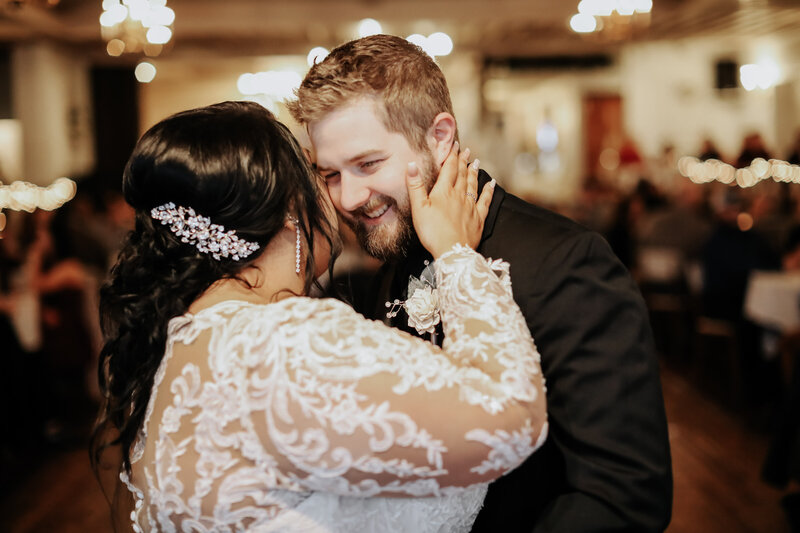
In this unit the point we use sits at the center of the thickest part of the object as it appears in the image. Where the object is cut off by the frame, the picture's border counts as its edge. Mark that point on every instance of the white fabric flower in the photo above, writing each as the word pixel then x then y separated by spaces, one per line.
pixel 423 310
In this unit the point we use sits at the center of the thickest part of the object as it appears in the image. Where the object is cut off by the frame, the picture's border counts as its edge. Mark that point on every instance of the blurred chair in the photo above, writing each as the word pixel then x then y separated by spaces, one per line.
pixel 717 360
pixel 661 276
pixel 782 462
pixel 717 366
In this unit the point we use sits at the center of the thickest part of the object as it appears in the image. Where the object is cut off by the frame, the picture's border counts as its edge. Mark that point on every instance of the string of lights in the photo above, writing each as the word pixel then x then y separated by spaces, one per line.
pixel 760 169
pixel 24 196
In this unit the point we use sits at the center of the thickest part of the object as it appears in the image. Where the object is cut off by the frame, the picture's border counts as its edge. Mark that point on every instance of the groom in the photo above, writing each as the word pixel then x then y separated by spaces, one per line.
pixel 377 103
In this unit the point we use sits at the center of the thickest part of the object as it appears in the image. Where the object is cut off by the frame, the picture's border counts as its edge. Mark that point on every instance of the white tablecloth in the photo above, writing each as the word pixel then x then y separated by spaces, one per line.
pixel 773 299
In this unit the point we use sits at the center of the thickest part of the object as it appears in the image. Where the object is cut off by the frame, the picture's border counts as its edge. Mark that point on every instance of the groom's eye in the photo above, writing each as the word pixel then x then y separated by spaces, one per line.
pixel 327 176
pixel 372 163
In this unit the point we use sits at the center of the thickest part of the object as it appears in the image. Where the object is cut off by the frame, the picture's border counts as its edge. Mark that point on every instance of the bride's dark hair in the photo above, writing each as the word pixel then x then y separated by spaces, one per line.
pixel 232 162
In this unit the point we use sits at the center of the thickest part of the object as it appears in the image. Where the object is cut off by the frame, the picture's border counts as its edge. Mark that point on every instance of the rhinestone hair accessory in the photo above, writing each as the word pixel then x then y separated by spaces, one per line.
pixel 198 230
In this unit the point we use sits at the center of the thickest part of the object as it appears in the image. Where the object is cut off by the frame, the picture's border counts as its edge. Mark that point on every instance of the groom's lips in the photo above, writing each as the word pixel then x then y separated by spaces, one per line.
pixel 375 217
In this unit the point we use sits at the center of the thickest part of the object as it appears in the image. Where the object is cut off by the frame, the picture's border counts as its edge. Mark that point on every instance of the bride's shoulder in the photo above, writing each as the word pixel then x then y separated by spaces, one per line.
pixel 296 308
pixel 234 317
pixel 295 315
pixel 318 309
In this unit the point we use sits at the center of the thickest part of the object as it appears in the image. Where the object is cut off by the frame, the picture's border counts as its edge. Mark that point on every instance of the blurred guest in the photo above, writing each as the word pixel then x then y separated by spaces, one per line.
pixel 733 251
pixel 664 170
pixel 794 154
pixel 708 150
pixel 17 366
pixel 631 166
pixel 92 227
pixel 782 463
pixel 790 258
pixel 683 225
pixel 629 153
pixel 771 207
pixel 596 204
pixel 730 254
pixel 620 234
pixel 60 284
pixel 752 148
pixel 631 213
pixel 79 228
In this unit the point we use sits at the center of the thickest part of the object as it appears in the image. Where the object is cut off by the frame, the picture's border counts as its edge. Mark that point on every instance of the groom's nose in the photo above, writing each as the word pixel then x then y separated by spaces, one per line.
pixel 355 191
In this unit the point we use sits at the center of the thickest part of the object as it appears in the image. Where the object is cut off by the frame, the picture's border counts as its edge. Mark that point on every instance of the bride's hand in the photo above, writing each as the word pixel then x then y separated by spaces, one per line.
pixel 452 213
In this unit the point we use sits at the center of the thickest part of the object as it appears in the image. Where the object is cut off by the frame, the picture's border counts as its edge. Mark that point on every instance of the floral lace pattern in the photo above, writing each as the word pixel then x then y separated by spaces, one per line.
pixel 302 415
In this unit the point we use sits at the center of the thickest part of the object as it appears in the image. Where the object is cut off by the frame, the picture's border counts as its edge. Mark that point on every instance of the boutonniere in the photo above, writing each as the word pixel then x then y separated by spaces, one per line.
pixel 422 304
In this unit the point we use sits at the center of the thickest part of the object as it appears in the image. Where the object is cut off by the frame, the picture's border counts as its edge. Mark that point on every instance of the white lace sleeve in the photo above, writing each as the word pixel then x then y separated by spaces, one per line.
pixel 351 406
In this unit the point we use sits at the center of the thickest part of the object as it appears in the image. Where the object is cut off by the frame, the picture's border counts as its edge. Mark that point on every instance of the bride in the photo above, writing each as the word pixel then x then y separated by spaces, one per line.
pixel 240 404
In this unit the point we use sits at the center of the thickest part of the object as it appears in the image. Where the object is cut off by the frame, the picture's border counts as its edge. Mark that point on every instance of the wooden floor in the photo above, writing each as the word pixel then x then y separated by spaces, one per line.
pixel 716 463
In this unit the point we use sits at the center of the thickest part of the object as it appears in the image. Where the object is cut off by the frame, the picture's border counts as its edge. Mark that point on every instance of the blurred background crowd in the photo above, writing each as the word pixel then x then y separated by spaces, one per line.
pixel 52 264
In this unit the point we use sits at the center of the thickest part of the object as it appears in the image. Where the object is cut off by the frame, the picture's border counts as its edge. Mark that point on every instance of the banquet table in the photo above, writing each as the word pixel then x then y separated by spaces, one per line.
pixel 772 299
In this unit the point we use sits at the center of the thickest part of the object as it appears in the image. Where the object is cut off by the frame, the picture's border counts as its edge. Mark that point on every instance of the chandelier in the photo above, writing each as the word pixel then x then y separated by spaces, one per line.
pixel 136 26
pixel 612 19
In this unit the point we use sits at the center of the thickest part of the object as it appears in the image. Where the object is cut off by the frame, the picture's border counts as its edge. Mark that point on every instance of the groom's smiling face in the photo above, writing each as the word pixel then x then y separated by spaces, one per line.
pixel 364 166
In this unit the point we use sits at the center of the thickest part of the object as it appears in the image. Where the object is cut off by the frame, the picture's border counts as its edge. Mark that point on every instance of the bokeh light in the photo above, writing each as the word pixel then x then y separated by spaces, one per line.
pixel 145 72
pixel 315 55
pixel 369 27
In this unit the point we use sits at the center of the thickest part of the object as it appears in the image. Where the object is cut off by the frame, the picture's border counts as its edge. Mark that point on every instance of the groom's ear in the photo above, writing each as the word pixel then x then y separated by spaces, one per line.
pixel 441 136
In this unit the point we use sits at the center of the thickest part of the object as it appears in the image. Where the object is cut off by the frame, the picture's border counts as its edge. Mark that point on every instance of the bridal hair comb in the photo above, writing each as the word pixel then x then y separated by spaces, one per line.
pixel 200 232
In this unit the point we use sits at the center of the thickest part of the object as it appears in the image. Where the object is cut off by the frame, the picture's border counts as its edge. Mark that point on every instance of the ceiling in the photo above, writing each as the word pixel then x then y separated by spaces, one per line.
pixel 493 28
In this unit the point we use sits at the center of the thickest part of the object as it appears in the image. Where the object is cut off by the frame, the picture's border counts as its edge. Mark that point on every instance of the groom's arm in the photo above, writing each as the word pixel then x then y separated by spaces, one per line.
pixel 604 396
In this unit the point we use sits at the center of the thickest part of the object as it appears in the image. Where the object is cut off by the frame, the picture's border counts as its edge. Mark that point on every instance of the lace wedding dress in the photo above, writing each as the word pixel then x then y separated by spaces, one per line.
pixel 302 415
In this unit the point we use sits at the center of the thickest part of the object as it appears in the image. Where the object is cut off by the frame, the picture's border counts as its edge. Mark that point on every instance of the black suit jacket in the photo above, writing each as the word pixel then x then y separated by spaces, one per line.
pixel 606 463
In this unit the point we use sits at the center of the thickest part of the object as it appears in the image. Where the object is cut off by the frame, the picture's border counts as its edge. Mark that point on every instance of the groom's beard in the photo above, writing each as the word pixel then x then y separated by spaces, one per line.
pixel 390 241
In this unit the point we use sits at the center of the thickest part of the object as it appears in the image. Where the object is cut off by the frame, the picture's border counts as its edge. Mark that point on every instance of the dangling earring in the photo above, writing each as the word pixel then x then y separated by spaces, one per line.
pixel 297 244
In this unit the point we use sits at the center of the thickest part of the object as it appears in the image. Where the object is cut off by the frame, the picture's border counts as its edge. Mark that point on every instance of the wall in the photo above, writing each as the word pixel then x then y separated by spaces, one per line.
pixel 51 99
pixel 10 150
pixel 669 95
pixel 521 101
pixel 182 85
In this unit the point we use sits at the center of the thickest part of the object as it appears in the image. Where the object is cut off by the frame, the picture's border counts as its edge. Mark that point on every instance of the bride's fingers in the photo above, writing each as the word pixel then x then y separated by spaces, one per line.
pixel 472 179
pixel 449 172
pixel 485 199
pixel 460 185
pixel 416 188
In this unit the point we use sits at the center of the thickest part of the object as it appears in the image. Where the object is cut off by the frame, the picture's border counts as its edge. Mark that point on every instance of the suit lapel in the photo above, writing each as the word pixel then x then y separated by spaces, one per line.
pixel 494 207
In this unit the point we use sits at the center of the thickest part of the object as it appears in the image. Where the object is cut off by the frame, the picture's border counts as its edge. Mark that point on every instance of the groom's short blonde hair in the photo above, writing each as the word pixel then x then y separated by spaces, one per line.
pixel 407 84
